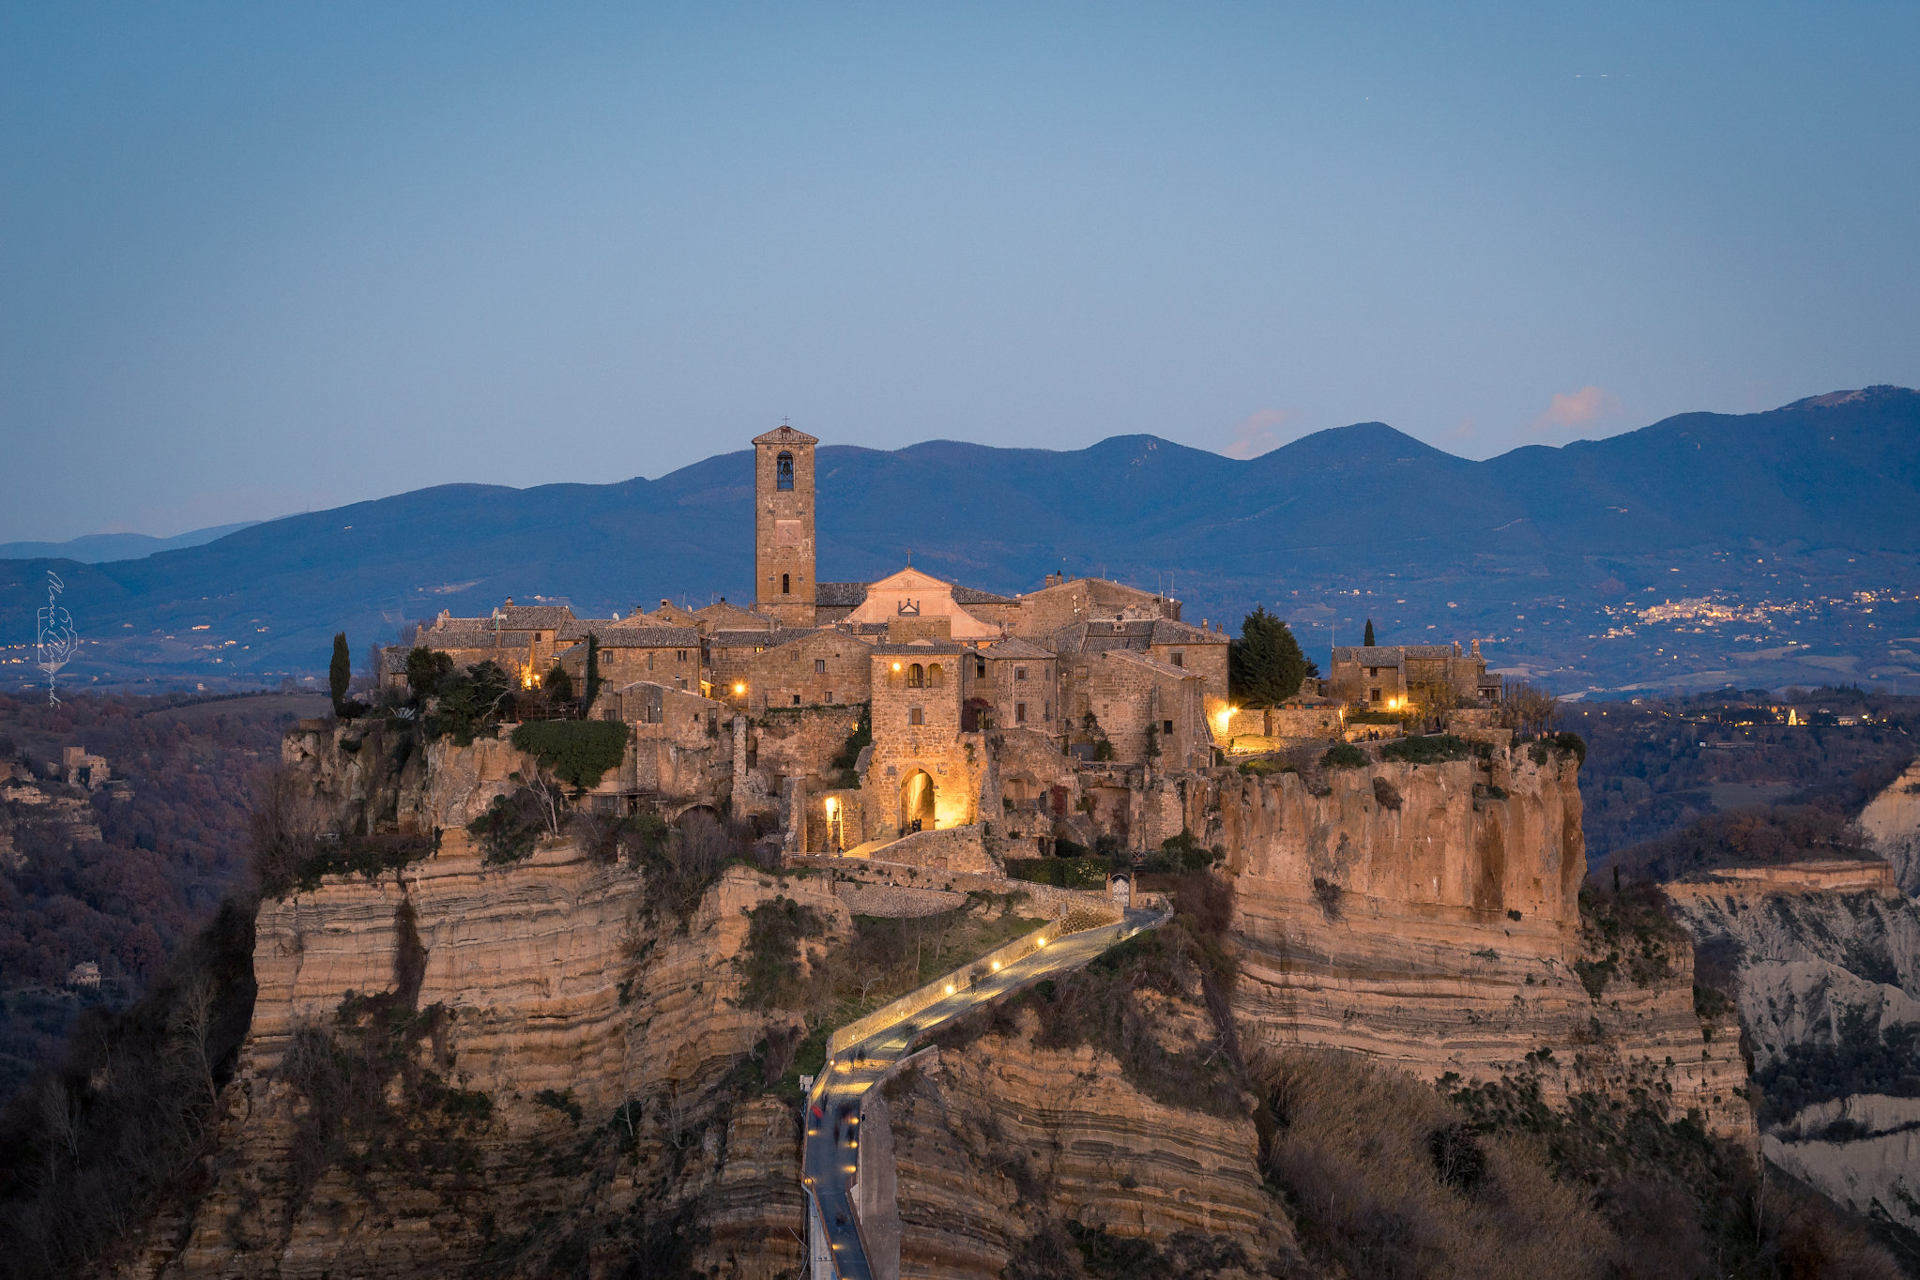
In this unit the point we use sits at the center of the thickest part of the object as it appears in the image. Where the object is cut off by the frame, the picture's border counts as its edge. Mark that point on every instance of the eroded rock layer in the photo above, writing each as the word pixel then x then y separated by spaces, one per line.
pixel 1429 915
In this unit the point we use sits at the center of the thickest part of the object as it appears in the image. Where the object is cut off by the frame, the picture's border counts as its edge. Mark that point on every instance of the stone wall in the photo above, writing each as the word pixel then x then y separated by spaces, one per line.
pixel 826 667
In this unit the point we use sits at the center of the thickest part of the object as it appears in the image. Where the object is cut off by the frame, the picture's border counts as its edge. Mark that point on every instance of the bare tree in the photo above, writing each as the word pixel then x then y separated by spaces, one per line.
pixel 190 1027
pixel 286 827
pixel 1528 710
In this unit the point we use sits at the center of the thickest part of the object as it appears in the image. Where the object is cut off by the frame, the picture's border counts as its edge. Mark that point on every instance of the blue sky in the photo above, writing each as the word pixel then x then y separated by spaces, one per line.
pixel 262 258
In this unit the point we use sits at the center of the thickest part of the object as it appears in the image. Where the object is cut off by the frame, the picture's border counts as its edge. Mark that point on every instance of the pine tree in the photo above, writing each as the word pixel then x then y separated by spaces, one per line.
pixel 340 673
pixel 1265 665
pixel 1367 640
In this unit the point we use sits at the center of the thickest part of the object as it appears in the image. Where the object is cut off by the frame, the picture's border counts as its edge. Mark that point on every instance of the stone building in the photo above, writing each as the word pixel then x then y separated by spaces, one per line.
pixel 783 525
pixel 1389 676
pixel 825 667
pixel 667 655
pixel 1052 707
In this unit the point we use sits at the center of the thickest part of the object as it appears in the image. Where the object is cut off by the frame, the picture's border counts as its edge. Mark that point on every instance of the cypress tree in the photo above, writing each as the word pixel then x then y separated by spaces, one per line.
pixel 593 673
pixel 1368 639
pixel 340 673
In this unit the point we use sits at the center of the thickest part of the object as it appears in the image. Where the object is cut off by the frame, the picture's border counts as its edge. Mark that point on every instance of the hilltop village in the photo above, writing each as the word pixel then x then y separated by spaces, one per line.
pixel 855 713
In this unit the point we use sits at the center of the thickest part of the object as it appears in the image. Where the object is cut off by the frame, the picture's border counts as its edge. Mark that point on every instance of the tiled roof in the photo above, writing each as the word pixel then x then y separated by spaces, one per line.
pixel 781 639
pixel 1389 655
pixel 617 637
pixel 1016 647
pixel 737 639
pixel 839 595
pixel 1151 663
pixel 1167 631
pixel 973 595
pixel 534 617
pixel 784 434
pixel 473 638
pixel 922 648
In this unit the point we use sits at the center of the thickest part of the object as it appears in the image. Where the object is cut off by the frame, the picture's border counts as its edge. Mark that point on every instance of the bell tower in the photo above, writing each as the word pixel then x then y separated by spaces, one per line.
pixel 783 525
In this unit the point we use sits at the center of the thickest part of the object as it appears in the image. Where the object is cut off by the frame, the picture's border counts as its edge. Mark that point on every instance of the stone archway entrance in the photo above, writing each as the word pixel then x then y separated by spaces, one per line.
pixel 916 802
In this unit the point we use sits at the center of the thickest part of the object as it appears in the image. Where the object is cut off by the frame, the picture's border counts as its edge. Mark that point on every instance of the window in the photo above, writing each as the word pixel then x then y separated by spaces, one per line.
pixel 916 678
pixel 649 662
pixel 682 682
pixel 829 695
pixel 796 699
pixel 916 716
pixel 935 676
pixel 1019 713
pixel 1179 658
pixel 1373 695
pixel 819 666
pixel 679 655
pixel 786 584
pixel 1046 711
pixel 1166 726
pixel 783 471
pixel 1019 673
pixel 980 668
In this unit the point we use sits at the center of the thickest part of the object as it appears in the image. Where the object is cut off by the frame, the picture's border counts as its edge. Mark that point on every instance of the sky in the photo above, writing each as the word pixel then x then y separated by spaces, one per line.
pixel 258 259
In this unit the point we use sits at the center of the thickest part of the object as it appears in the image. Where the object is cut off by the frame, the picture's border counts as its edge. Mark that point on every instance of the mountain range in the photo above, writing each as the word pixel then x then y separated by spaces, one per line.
pixel 1757 549
pixel 99 548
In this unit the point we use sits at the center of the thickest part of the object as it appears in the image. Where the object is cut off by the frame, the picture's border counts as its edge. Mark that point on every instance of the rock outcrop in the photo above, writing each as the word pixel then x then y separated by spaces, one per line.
pixel 1429 915
pixel 1891 822
pixel 462 1064
pixel 1823 980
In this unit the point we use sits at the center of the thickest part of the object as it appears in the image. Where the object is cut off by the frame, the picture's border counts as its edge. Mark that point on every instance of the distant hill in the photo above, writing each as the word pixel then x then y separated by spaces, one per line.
pixel 99 548
pixel 1554 555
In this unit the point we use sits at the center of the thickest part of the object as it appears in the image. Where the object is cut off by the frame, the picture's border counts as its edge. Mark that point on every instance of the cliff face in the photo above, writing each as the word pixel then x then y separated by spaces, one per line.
pixel 1429 915
pixel 517 1069
pixel 1828 988
pixel 1891 821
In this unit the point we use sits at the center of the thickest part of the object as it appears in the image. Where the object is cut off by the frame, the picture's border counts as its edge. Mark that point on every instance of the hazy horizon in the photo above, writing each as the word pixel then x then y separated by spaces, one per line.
pixel 747 432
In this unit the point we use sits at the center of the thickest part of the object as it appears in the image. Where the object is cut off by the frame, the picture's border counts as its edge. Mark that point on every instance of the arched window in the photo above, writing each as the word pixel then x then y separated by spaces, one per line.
pixel 935 676
pixel 783 471
pixel 786 583
pixel 916 676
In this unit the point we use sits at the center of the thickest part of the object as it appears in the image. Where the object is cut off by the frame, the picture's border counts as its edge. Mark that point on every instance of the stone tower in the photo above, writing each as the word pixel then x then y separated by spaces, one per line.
pixel 783 525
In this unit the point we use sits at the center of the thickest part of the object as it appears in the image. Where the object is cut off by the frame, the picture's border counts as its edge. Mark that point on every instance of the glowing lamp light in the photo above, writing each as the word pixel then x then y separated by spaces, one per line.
pixel 896 666
pixel 1040 942
pixel 996 966
pixel 832 804
pixel 949 988
pixel 739 689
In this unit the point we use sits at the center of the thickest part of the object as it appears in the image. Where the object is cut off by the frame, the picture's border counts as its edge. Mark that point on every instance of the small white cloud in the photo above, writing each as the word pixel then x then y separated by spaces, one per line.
pixel 1257 433
pixel 1577 409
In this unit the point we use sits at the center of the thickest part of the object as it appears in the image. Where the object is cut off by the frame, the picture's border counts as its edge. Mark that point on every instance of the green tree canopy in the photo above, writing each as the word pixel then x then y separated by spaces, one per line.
pixel 1265 665
pixel 427 669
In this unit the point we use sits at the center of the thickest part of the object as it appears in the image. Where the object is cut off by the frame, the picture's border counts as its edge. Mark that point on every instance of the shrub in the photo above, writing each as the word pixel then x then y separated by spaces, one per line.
pixel 1568 742
pixel 578 752
pixel 1344 755
pixel 509 829
pixel 1434 748
pixel 1327 894
pixel 469 703
pixel 1063 873
pixel 848 760
pixel 1386 795
pixel 772 974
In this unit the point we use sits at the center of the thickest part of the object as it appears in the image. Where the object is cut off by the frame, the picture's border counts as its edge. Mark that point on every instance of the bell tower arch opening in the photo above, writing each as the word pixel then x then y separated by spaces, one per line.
pixel 783 539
